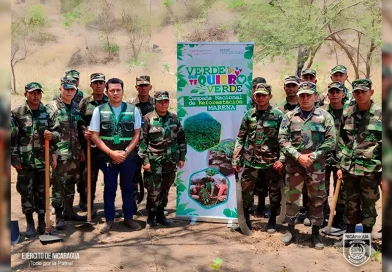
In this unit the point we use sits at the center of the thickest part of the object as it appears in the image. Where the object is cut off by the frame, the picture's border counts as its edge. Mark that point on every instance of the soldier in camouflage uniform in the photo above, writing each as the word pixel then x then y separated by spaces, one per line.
pixel 162 149
pixel 115 129
pixel 309 75
pixel 79 94
pixel 338 73
pixel 306 134
pixel 145 103
pixel 360 157
pixel 335 108
pixel 31 126
pixel 257 144
pixel 291 84
pixel 87 106
pixel 69 153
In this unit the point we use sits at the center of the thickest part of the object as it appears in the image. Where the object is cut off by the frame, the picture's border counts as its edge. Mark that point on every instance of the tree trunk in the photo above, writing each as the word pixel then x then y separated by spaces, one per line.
pixel 302 57
pixel 345 49
pixel 13 78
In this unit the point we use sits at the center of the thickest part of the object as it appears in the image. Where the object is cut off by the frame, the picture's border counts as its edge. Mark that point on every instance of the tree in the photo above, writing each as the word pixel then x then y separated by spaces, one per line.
pixel 23 28
pixel 298 28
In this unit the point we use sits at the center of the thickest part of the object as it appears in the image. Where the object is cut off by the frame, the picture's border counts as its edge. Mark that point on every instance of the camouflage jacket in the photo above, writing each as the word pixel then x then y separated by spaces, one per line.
pixel 361 141
pixel 28 143
pixel 70 124
pixel 299 135
pixel 332 156
pixel 257 138
pixel 87 106
pixel 285 106
pixel 143 107
pixel 163 139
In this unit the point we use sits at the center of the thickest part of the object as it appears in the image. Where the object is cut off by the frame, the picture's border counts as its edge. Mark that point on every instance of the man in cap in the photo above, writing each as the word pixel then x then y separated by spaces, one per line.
pixel 162 149
pixel 309 75
pixel 145 103
pixel 291 84
pixel 335 108
pixel 66 114
pixel 360 159
pixel 79 94
pixel 306 134
pixel 338 73
pixel 31 127
pixel 87 106
pixel 115 129
pixel 257 145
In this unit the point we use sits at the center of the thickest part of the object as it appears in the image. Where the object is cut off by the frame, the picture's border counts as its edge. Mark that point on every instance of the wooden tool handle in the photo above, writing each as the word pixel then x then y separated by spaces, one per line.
pixel 334 201
pixel 88 180
pixel 47 187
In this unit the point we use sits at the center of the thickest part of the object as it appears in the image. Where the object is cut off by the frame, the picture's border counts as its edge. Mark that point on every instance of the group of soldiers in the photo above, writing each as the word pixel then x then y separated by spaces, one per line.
pixel 123 139
pixel 298 145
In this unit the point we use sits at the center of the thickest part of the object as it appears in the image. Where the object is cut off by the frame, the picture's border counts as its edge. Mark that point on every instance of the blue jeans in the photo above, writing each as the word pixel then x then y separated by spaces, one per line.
pixel 110 171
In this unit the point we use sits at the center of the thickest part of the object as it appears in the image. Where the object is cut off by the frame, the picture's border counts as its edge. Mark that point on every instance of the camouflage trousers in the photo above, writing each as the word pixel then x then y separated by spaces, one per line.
pixel 268 176
pixel 296 178
pixel 64 178
pixel 94 175
pixel 362 193
pixel 158 183
pixel 31 187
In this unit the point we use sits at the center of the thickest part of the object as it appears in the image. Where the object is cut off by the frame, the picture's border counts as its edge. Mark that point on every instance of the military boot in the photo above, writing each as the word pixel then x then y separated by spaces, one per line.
pixel 260 210
pixel 161 218
pixel 289 236
pixel 60 223
pixel 69 214
pixel 41 223
pixel 316 237
pixel 150 219
pixel 350 228
pixel 338 221
pixel 271 226
pixel 30 228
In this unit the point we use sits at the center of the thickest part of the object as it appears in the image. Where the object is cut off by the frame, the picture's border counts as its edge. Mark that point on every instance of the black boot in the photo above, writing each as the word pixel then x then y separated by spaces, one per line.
pixel 150 219
pixel 69 214
pixel 289 236
pixel 30 228
pixel 60 223
pixel 161 218
pixel 338 221
pixel 316 237
pixel 260 206
pixel 41 223
pixel 350 228
pixel 271 226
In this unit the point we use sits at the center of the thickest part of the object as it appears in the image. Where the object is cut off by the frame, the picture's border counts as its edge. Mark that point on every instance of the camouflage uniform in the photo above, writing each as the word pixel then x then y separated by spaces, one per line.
pixel 257 140
pixel 27 150
pixel 285 106
pixel 87 106
pixel 298 135
pixel 360 161
pixel 144 107
pixel 68 150
pixel 163 145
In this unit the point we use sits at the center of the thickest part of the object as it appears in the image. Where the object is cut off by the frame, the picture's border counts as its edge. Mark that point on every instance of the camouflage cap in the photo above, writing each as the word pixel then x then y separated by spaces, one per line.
pixel 141 80
pixel 307 88
pixel 32 86
pixel 97 77
pixel 336 85
pixel 292 79
pixel 72 73
pixel 68 83
pixel 257 80
pixel 161 95
pixel 309 71
pixel 339 69
pixel 263 88
pixel 362 84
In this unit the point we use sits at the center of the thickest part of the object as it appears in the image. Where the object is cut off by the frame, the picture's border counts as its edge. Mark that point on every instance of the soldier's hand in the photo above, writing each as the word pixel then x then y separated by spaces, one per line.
pixel 54 161
pixel 278 166
pixel 87 134
pixel 305 161
pixel 181 164
pixel 147 167
pixel 339 174
pixel 47 135
pixel 18 166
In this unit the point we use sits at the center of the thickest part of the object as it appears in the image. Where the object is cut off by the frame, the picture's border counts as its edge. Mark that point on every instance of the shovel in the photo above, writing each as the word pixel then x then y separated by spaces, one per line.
pixel 327 229
pixel 48 237
pixel 240 208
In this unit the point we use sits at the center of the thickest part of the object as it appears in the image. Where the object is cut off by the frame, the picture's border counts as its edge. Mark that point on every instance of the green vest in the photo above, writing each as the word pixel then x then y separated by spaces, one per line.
pixel 116 133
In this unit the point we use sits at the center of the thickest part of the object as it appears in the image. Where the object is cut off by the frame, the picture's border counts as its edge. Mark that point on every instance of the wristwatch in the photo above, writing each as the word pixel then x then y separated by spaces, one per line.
pixel 127 152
